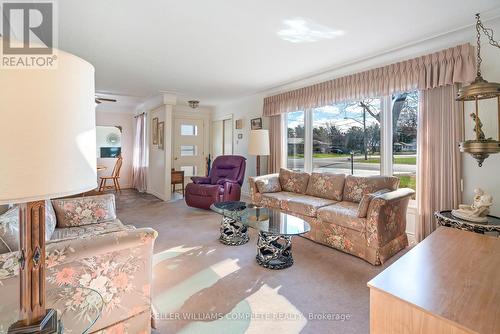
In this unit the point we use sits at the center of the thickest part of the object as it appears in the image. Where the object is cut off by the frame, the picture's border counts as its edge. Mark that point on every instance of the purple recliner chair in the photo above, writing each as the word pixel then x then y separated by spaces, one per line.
pixel 222 184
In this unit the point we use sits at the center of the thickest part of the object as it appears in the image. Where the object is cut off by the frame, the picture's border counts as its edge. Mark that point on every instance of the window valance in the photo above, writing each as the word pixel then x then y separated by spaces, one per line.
pixel 442 68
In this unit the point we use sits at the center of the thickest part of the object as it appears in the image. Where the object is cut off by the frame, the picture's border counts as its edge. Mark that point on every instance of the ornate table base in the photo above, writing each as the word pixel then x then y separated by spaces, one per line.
pixel 274 251
pixel 232 232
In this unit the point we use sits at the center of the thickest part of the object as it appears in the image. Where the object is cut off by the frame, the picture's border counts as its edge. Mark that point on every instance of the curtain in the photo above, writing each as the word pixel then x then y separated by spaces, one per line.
pixel 446 67
pixel 440 129
pixel 139 161
pixel 275 145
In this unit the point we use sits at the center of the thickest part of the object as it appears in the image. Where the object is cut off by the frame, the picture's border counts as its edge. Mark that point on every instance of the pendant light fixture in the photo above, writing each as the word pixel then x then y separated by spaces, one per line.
pixel 482 146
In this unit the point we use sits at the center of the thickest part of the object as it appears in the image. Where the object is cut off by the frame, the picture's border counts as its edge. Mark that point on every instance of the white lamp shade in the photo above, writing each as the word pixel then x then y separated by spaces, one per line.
pixel 258 143
pixel 47 131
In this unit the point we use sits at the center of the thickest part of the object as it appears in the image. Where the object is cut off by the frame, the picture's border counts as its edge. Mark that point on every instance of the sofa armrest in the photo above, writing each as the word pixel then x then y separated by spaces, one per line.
pixel 397 194
pixel 386 218
pixel 224 181
pixel 200 179
pixel 255 195
pixel 118 265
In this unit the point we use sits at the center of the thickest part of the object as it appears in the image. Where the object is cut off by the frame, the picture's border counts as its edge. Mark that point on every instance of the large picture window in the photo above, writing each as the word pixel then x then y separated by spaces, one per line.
pixel 295 140
pixel 366 137
pixel 346 138
pixel 404 138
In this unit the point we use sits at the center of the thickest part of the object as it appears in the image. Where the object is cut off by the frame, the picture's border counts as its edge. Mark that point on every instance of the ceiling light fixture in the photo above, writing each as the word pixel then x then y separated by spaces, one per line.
pixel 481 147
pixel 194 104
pixel 299 30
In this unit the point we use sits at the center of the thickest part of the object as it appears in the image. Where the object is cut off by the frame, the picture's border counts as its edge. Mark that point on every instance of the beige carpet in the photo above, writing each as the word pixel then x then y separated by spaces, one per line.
pixel 202 286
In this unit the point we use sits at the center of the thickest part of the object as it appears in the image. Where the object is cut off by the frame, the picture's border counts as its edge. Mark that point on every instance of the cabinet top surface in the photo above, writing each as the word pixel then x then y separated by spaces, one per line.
pixel 452 274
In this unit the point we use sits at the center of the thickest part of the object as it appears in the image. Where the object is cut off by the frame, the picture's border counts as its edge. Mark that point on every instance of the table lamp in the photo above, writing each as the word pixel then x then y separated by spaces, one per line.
pixel 47 138
pixel 258 144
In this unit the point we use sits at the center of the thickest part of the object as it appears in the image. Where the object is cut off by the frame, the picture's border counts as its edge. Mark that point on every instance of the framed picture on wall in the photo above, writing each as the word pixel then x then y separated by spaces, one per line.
pixel 154 130
pixel 161 135
pixel 239 124
pixel 256 123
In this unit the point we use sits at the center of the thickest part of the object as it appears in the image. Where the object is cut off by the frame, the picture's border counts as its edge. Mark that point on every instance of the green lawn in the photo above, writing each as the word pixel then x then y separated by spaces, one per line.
pixel 320 155
pixel 407 181
pixel 397 160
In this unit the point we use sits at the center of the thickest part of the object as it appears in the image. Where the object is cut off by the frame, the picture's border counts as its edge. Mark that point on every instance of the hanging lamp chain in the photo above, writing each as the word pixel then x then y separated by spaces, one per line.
pixel 489 33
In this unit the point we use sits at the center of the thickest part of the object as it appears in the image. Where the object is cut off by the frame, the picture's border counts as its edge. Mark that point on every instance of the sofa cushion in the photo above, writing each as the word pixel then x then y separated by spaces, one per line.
pixel 305 205
pixel 344 214
pixel 9 227
pixel 295 182
pixel 326 185
pixel 275 200
pixel 268 185
pixel 9 230
pixel 64 233
pixel 50 220
pixel 366 200
pixel 84 210
pixel 357 186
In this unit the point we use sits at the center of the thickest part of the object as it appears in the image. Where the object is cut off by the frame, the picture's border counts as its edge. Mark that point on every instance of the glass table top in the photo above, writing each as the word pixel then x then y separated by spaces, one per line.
pixel 78 309
pixel 266 220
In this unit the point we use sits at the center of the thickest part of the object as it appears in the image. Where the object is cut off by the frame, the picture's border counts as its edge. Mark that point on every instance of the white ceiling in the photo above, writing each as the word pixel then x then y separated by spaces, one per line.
pixel 216 50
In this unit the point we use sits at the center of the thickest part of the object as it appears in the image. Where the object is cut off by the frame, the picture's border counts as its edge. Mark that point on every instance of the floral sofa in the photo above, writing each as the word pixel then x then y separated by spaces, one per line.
pixel 362 216
pixel 87 246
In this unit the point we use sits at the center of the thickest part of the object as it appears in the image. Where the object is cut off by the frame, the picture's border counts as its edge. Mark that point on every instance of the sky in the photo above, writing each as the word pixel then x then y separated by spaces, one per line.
pixel 353 116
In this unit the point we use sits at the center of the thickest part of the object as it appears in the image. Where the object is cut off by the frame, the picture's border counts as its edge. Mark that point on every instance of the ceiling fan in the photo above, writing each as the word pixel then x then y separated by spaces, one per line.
pixel 100 100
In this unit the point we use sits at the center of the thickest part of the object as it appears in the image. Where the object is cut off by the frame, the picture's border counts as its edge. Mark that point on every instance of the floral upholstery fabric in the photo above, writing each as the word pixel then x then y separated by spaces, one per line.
pixel 384 220
pixel 50 220
pixel 342 238
pixel 375 238
pixel 295 182
pixel 344 214
pixel 326 185
pixel 9 230
pixel 9 227
pixel 305 205
pixel 277 200
pixel 269 184
pixel 84 210
pixel 87 230
pixel 357 186
pixel 366 200
pixel 118 265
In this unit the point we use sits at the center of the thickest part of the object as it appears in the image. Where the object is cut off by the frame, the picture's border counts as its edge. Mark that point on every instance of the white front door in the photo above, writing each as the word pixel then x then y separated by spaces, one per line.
pixel 189 154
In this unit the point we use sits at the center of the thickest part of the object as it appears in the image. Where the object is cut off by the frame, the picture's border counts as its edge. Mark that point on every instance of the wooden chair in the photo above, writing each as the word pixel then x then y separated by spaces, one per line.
pixel 115 177
pixel 177 177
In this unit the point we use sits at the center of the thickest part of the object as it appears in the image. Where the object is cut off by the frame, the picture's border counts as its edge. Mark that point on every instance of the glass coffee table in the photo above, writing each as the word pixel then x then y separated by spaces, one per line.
pixel 276 229
pixel 232 231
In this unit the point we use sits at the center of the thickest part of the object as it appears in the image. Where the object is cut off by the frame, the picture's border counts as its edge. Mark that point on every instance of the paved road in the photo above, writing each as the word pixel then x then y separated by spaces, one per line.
pixel 345 164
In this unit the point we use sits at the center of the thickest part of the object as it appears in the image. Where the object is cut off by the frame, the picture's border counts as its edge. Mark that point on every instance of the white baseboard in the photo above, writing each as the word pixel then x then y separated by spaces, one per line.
pixel 160 196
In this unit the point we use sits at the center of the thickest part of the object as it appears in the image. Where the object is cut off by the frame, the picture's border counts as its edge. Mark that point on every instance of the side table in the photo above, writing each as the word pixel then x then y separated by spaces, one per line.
pixel 445 218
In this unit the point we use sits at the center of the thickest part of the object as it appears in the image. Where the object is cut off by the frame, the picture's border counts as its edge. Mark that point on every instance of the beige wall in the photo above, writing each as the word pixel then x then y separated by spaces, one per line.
pixel 245 109
pixel 126 121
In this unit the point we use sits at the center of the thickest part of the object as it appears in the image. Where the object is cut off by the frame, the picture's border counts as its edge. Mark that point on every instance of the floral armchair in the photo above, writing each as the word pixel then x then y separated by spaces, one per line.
pixel 113 259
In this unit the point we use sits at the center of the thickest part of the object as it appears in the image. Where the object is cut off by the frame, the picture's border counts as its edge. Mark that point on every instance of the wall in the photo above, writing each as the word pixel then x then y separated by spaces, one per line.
pixel 486 177
pixel 246 109
pixel 160 161
pixel 126 121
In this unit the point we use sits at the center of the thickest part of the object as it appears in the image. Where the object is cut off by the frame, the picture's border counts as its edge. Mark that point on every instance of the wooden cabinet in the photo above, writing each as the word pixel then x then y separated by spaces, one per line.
pixel 449 283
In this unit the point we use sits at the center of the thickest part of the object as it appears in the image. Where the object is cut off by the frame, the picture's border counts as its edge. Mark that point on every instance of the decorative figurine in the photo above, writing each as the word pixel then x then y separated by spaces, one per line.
pixel 479 127
pixel 478 211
